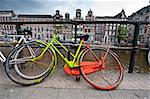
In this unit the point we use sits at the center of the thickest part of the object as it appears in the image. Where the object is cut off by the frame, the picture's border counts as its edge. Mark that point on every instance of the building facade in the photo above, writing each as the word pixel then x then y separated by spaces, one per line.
pixel 7 16
pixel 144 32
pixel 64 30
pixel 90 28
pixel 106 33
pixel 39 31
pixel 80 28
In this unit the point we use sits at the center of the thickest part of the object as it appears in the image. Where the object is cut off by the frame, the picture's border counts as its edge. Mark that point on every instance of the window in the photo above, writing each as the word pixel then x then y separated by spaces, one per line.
pixel 110 27
pixel 85 30
pixel 27 27
pixel 145 30
pixel 88 30
pixel 42 29
pixel 110 32
pixel 7 27
pixel 147 18
pixel 6 19
pixel 47 29
pixel 35 35
pixel 114 28
pixel 39 37
pixel 106 27
pixel 11 27
pixel 147 10
pixel 106 32
pixel 4 27
pixel 38 29
pixel 47 36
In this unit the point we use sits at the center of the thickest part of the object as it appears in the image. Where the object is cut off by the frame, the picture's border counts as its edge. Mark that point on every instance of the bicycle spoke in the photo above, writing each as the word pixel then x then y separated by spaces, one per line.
pixel 20 60
pixel 36 51
pixel 105 79
pixel 31 50
pixel 109 61
pixel 91 52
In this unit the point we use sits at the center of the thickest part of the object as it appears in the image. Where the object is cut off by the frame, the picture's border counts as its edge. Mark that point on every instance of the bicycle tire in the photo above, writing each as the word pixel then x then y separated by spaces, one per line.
pixel 32 69
pixel 13 75
pixel 107 71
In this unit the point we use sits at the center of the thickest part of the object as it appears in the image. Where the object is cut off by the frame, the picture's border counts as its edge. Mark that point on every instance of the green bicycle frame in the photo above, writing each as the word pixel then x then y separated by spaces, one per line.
pixel 72 63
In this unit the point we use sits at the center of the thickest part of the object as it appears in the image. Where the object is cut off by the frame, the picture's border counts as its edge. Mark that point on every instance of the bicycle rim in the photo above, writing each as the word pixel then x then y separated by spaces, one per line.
pixel 28 69
pixel 108 74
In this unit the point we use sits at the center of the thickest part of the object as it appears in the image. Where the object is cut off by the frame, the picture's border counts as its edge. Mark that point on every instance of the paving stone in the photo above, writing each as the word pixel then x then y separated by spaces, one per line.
pixel 96 94
pixel 45 93
pixel 71 94
pixel 122 94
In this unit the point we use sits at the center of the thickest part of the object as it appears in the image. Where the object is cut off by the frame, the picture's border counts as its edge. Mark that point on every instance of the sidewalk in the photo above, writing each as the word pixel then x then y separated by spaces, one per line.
pixel 60 86
pixel 35 92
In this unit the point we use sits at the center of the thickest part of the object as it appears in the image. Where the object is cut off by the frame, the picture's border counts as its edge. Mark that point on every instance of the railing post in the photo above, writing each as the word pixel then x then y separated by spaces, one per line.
pixel 134 44
pixel 75 33
pixel 18 27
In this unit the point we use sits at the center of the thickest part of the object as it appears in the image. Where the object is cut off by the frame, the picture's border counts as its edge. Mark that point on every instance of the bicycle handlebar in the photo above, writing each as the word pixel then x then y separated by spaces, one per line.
pixel 24 32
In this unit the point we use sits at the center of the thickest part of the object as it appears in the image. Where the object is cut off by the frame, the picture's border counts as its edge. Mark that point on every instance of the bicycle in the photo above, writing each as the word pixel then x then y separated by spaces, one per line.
pixel 34 61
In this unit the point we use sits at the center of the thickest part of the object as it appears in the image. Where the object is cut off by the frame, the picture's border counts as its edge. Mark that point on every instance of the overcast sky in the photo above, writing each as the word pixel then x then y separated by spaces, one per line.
pixel 99 7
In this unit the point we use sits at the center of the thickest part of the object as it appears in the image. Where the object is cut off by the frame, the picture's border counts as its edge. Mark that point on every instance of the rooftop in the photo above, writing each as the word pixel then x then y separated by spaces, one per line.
pixel 33 16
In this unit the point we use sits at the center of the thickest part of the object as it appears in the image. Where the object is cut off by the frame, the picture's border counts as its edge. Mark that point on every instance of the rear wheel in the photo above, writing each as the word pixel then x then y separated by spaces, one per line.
pixel 103 74
pixel 27 68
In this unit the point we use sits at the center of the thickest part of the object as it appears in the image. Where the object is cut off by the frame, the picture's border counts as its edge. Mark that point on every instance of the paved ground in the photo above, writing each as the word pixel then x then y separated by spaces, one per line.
pixel 60 86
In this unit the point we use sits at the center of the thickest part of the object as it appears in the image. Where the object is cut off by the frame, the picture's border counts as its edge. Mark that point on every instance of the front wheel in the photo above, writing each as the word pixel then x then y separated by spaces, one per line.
pixel 15 77
pixel 21 70
pixel 104 73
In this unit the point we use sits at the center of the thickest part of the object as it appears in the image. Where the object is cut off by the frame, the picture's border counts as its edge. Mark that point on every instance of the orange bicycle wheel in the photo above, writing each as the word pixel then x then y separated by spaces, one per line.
pixel 103 74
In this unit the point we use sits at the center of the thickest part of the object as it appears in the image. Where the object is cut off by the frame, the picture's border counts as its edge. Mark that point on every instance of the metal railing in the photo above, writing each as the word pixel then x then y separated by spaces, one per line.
pixel 76 23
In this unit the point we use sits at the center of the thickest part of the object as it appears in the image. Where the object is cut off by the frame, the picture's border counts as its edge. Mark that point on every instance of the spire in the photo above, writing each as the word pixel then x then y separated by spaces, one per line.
pixel 123 15
pixel 90 12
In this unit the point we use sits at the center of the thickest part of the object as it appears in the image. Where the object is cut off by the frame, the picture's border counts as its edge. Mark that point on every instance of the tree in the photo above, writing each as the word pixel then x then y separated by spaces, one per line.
pixel 122 33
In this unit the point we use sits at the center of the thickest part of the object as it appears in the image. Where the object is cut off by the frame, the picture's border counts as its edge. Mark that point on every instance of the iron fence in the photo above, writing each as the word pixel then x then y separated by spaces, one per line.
pixel 133 46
